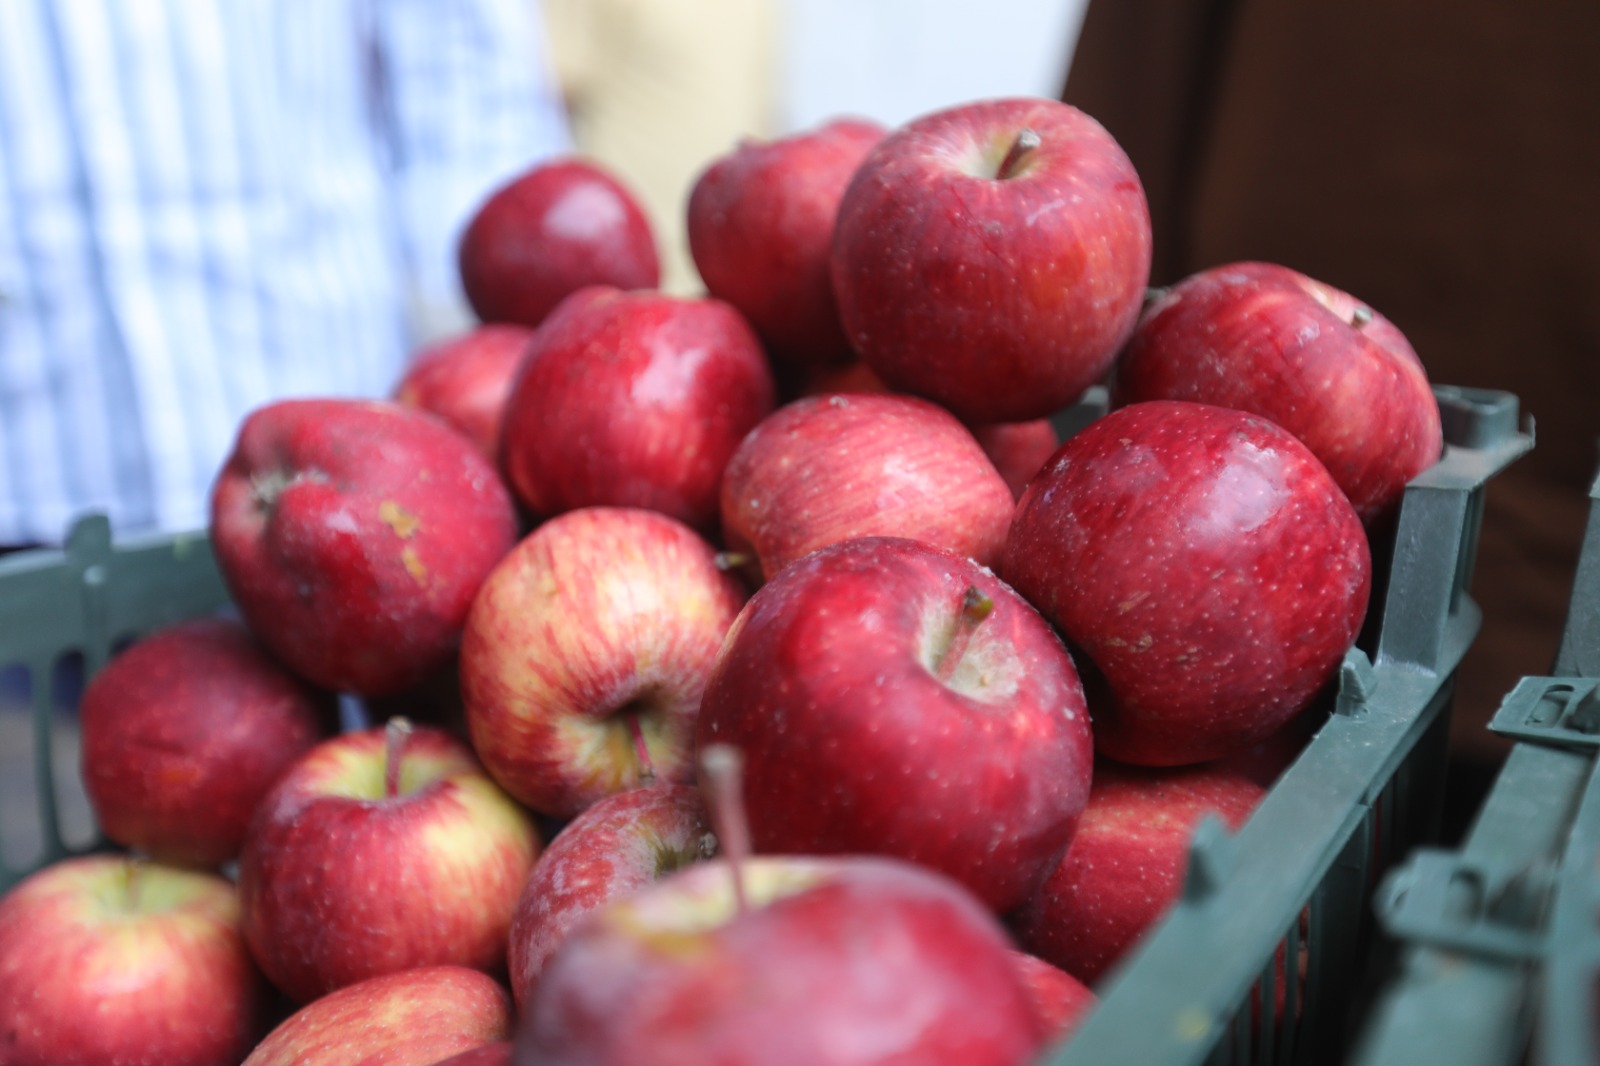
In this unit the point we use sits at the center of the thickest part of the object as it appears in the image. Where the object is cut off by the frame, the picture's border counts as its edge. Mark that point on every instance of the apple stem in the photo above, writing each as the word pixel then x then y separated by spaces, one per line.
pixel 1360 316
pixel 730 560
pixel 641 751
pixel 975 607
pixel 722 783
pixel 1019 151
pixel 395 734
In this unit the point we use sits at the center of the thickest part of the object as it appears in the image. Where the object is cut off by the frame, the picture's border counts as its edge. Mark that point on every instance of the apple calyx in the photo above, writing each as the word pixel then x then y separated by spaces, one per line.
pixel 975 607
pixel 1027 140
pixel 670 859
pixel 395 734
pixel 722 781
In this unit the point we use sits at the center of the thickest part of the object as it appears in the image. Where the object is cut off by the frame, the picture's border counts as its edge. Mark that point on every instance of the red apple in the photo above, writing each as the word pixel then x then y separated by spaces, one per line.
pixel 1125 867
pixel 107 959
pixel 1204 567
pixel 555 228
pixel 353 535
pixel 414 1017
pixel 382 850
pixel 586 653
pixel 1059 999
pixel 1018 450
pixel 634 400
pixel 1267 339
pixel 823 469
pixel 847 961
pixel 616 847
pixel 895 698
pixel 760 227
pixel 500 1053
pixel 993 257
pixel 852 376
pixel 466 379
pixel 184 732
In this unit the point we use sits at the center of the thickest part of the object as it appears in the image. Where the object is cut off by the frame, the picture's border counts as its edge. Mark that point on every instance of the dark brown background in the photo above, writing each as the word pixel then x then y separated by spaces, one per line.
pixel 1438 159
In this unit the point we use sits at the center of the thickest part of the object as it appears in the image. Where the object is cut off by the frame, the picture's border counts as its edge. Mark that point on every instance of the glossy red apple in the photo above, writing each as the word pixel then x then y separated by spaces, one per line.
pixel 894 698
pixel 465 380
pixel 618 846
pixel 634 400
pixel 555 228
pixel 1204 567
pixel 382 850
pixel 183 733
pixel 105 959
pixel 849 961
pixel 1263 338
pixel 760 226
pixel 827 468
pixel 1125 867
pixel 1059 999
pixel 414 1017
pixel 586 653
pixel 993 257
pixel 353 535
pixel 1018 450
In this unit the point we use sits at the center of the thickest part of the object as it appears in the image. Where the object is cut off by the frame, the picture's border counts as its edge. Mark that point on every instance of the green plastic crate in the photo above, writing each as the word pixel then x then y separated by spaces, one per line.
pixel 62 613
pixel 1366 790
pixel 1502 935
pixel 1301 872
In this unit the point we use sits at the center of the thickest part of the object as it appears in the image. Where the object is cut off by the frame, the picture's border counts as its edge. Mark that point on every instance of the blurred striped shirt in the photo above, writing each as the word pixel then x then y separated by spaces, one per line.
pixel 206 204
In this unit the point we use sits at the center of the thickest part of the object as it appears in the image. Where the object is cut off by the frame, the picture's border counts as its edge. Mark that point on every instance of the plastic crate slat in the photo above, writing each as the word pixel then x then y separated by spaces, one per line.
pixel 1198 964
pixel 1569 1018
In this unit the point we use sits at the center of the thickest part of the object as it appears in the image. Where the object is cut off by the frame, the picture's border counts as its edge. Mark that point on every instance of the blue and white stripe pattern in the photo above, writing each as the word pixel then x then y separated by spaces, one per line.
pixel 205 204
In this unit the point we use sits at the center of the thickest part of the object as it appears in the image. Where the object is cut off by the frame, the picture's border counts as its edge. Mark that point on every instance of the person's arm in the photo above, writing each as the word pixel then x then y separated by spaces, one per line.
pixel 467 100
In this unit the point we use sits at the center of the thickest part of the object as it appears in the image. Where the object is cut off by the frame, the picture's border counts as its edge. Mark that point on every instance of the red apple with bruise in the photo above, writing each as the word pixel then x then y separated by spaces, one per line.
pixel 353 535
pixel 828 468
pixel 633 400
pixel 586 653
pixel 466 379
pixel 760 226
pixel 183 734
pixel 1204 567
pixel 894 698
pixel 1263 338
pixel 993 257
pixel 557 227
pixel 615 848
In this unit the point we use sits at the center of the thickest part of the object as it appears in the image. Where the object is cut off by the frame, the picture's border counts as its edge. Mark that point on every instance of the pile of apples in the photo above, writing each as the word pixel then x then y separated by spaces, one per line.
pixel 747 678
